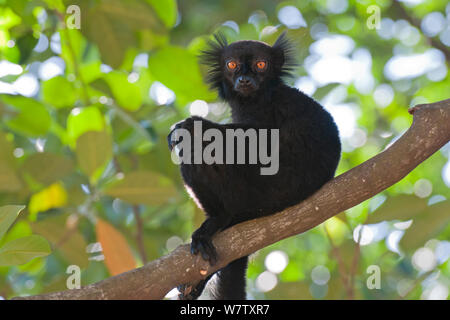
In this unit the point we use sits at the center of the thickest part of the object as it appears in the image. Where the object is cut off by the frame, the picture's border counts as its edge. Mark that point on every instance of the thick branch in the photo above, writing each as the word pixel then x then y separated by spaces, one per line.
pixel 429 132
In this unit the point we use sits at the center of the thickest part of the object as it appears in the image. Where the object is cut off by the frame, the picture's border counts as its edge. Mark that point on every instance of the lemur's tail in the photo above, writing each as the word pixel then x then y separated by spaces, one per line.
pixel 231 281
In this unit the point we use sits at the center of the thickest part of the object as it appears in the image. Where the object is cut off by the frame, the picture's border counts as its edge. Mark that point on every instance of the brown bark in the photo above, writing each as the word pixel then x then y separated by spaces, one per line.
pixel 429 131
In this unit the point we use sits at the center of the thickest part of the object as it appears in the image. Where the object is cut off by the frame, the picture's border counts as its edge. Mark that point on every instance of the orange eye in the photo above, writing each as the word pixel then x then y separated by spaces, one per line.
pixel 261 64
pixel 231 65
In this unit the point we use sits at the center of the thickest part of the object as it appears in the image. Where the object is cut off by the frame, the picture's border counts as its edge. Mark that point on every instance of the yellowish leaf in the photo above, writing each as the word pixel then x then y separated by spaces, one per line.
pixel 55 196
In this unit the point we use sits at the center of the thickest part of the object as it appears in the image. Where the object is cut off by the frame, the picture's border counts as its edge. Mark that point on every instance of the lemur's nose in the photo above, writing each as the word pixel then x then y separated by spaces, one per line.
pixel 244 80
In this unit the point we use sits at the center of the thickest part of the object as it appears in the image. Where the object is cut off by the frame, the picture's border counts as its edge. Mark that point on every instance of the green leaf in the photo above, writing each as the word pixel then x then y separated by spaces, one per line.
pixel 321 92
pixel 157 160
pixel 292 272
pixel 9 18
pixel 402 207
pixel 59 92
pixel 9 181
pixel 177 68
pixel 112 38
pixel 22 250
pixel 93 150
pixel 142 187
pixel 7 216
pixel 46 168
pixel 151 41
pixel 55 4
pixel 82 120
pixel 127 95
pixel 26 45
pixel 426 225
pixel 135 13
pixel 73 45
pixel 166 10
pixel 32 118
pixel 290 290
pixel 434 91
pixel 25 10
pixel 91 71
pixel 20 229
pixel 116 23
pixel 69 242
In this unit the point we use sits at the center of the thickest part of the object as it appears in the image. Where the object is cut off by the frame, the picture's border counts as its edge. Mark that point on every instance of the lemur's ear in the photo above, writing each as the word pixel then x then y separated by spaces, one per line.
pixel 212 57
pixel 284 54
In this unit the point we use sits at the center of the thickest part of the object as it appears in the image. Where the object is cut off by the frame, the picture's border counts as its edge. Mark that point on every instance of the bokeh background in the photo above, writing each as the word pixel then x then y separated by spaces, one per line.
pixel 85 113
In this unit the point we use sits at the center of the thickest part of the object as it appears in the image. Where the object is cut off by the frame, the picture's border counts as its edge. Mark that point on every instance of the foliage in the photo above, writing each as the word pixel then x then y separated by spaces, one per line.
pixel 21 250
pixel 85 112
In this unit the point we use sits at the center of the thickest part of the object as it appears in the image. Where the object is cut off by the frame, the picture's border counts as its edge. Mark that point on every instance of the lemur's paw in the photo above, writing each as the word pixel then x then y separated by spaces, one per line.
pixel 187 124
pixel 203 245
pixel 171 137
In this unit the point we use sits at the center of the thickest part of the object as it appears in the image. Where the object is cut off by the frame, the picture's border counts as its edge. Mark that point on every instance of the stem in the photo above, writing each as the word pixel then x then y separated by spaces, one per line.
pixel 341 264
pixel 76 68
pixel 133 123
pixel 139 233
pixel 353 268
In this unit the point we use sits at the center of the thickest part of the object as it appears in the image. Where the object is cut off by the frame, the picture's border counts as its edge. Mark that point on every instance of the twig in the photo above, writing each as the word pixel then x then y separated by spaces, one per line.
pixel 340 262
pixel 76 68
pixel 139 234
pixel 354 264
pixel 137 216
pixel 130 121
pixel 416 283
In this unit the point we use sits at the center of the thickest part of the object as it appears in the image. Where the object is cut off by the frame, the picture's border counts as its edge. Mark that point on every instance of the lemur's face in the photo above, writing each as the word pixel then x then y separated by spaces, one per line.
pixel 243 68
pixel 247 64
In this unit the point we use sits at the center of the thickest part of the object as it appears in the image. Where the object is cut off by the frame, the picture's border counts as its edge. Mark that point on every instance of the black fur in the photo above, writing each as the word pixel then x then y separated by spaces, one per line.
pixel 309 149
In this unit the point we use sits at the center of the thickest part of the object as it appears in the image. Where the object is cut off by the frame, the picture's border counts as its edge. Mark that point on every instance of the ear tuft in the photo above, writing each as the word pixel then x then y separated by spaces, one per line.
pixel 285 50
pixel 212 57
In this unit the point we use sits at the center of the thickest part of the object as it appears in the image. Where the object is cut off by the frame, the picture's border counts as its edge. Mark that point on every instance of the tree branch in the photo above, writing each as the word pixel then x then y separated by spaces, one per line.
pixel 430 130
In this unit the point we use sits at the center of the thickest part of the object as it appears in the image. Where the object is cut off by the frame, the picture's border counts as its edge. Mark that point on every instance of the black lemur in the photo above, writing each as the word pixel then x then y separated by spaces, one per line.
pixel 249 76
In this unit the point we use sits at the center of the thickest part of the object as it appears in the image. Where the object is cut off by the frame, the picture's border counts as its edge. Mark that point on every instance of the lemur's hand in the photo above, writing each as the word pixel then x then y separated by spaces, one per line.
pixel 187 124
